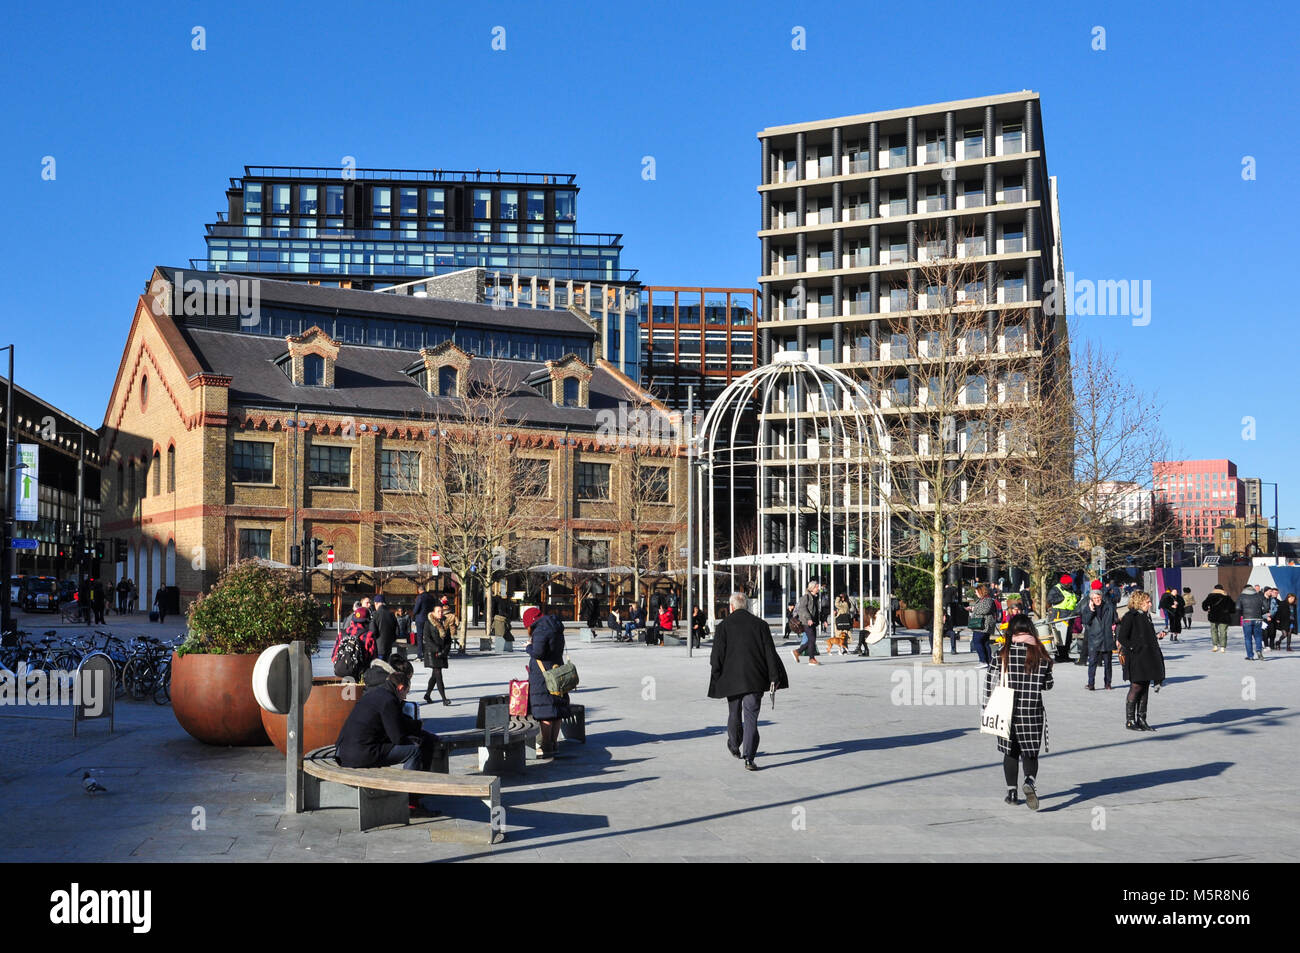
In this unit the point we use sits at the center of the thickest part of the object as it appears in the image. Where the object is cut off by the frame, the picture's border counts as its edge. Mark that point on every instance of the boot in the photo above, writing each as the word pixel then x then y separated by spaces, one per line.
pixel 1129 710
pixel 1142 716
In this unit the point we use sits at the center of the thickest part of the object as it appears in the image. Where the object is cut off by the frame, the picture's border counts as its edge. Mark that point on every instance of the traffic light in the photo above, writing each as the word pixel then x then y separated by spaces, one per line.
pixel 119 550
pixel 317 555
pixel 295 555
pixel 99 551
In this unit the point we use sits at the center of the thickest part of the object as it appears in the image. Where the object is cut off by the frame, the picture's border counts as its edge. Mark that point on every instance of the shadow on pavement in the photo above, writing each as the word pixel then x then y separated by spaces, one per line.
pixel 1110 787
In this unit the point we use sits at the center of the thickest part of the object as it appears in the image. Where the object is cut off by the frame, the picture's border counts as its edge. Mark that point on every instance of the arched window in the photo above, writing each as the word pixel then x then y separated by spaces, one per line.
pixel 313 370
pixel 155 468
pixel 171 469
pixel 571 392
pixel 447 381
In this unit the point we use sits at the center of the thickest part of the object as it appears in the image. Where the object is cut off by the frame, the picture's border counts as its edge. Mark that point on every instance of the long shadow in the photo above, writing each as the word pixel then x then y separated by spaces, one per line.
pixel 1225 715
pixel 1110 787
pixel 1183 678
pixel 805 797
pixel 856 745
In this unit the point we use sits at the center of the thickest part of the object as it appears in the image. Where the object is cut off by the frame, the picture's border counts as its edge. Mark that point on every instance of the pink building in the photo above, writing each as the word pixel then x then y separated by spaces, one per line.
pixel 1202 493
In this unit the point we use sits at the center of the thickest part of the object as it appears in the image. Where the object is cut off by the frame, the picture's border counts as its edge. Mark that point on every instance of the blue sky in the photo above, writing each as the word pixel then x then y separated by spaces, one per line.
pixel 1147 139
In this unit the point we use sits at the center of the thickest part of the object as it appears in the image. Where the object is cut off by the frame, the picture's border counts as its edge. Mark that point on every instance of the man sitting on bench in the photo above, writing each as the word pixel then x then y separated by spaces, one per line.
pixel 378 733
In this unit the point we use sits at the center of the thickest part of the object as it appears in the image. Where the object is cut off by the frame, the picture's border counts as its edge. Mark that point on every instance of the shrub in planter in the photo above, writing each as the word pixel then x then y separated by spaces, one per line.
pixel 248 610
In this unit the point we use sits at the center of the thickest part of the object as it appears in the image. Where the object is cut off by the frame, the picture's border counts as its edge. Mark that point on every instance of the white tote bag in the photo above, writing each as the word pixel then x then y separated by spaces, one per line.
pixel 996 717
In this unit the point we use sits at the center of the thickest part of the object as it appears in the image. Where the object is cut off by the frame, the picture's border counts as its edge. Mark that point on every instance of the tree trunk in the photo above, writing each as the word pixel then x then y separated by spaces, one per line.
pixel 936 573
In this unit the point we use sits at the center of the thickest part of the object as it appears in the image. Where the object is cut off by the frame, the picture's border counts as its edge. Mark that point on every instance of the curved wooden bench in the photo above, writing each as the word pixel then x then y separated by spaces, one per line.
pixel 380 795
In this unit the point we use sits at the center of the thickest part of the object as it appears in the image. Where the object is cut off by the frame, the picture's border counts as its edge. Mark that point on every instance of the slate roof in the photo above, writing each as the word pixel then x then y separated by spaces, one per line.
pixel 372 381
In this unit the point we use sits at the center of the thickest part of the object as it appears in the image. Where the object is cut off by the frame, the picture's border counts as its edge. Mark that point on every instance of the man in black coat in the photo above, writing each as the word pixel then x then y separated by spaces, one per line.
pixel 744 664
pixel 423 603
pixel 378 733
pixel 383 626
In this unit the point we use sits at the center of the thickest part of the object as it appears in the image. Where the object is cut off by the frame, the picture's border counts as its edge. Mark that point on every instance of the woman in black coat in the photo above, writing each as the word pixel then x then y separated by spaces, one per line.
pixel 1144 662
pixel 547 650
pixel 437 651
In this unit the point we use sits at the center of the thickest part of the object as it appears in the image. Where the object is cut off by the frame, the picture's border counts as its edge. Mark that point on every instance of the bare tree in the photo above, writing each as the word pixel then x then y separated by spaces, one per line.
pixel 474 493
pixel 945 379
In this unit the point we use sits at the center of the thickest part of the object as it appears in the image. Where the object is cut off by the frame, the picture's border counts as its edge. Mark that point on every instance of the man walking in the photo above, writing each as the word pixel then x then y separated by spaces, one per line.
pixel 383 626
pixel 1218 608
pixel 1061 602
pixel 1250 606
pixel 423 603
pixel 1098 618
pixel 743 665
pixel 808 613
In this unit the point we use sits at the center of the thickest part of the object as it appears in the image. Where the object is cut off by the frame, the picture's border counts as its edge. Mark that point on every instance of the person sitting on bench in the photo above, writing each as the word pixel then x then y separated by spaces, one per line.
pixel 377 732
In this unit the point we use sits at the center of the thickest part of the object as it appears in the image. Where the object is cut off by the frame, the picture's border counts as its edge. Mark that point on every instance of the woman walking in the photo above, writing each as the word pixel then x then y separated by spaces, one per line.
pixel 437 651
pixel 983 617
pixel 1029 673
pixel 1143 660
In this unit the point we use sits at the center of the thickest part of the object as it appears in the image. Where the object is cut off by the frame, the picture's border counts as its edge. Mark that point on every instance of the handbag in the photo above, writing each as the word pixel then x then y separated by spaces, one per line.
pixel 996 717
pixel 979 623
pixel 560 679
pixel 519 696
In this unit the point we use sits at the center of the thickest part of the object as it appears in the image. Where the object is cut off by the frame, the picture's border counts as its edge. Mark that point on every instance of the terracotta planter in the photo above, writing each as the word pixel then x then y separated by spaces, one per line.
pixel 327 708
pixel 917 618
pixel 212 696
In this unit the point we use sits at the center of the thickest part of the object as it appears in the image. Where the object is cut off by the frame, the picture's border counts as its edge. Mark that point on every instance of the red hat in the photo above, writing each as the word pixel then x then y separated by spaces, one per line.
pixel 531 615
pixel 1096 584
pixel 1067 580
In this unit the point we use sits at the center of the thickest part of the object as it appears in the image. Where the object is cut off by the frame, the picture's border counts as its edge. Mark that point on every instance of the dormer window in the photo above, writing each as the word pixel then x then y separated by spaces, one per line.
pixel 311 359
pixel 570 380
pixel 442 371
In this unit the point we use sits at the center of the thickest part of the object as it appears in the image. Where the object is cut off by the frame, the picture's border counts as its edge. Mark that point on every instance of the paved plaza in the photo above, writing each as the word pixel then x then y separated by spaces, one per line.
pixel 848 772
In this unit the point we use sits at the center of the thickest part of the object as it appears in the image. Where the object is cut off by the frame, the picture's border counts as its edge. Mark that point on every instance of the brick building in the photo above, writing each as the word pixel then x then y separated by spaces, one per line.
pixel 203 463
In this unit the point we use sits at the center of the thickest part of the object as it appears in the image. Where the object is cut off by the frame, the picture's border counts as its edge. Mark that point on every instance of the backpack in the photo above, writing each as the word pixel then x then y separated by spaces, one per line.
pixel 354 650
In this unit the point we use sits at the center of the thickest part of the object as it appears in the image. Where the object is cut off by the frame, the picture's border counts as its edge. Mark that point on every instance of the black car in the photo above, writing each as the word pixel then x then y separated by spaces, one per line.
pixel 67 591
pixel 40 593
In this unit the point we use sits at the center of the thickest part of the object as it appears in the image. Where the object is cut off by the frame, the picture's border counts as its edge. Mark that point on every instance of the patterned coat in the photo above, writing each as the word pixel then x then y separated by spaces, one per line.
pixel 1028 718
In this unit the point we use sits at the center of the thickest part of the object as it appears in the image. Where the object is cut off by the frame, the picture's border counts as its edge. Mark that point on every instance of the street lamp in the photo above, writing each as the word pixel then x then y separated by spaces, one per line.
pixel 6 530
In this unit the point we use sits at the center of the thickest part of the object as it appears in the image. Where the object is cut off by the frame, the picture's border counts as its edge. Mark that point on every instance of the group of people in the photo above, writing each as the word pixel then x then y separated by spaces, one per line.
pixel 93 597
pixel 633 619
pixel 379 732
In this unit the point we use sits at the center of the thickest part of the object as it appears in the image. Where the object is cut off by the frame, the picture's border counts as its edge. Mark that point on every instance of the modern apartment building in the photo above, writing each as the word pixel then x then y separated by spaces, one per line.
pixel 1202 493
pixel 1125 501
pixel 373 228
pixel 851 208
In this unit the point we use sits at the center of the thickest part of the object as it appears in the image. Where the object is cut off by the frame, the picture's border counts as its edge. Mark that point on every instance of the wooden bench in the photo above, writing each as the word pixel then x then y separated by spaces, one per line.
pixel 381 795
pixel 502 754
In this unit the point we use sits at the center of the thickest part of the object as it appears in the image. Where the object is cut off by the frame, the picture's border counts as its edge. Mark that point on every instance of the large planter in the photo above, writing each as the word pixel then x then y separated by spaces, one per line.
pixel 327 708
pixel 212 696
pixel 916 618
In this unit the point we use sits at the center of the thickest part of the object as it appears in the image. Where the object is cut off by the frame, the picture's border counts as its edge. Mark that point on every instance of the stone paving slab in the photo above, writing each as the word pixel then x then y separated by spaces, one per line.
pixel 858 762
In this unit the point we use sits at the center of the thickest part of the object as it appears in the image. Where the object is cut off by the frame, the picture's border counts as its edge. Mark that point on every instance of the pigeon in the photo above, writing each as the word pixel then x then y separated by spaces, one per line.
pixel 91 785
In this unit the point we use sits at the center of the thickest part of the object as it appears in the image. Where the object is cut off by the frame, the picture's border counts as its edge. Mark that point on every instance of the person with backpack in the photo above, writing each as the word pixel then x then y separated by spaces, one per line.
pixel 355 646
pixel 437 651
pixel 1218 607
pixel 1061 603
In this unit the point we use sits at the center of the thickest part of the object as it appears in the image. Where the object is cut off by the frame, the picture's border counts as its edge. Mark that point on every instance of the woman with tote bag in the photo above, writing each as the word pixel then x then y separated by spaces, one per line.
pixel 1027 667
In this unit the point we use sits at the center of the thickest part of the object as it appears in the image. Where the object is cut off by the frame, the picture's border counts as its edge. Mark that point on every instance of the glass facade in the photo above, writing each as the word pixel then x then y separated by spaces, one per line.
pixel 493 342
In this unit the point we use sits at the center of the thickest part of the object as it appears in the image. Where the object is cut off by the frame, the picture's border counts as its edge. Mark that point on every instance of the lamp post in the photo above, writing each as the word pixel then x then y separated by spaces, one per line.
pixel 6 531
pixel 690 521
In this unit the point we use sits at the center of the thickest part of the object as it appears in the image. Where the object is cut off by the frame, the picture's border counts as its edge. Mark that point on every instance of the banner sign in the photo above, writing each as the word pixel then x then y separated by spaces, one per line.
pixel 27 483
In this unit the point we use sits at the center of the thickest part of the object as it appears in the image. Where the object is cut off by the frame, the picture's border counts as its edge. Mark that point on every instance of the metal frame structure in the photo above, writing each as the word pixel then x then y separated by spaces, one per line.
pixel 821 450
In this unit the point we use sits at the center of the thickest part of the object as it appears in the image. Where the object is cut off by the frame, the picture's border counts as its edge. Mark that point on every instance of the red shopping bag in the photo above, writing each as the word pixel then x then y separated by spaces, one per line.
pixel 519 696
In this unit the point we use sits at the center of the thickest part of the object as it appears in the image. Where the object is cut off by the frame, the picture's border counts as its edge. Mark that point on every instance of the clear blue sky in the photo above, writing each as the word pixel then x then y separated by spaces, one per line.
pixel 1146 138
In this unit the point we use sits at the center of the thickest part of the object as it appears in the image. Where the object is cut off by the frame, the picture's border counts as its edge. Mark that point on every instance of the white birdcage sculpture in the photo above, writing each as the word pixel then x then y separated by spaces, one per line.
pixel 818 467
